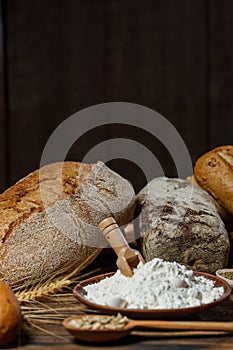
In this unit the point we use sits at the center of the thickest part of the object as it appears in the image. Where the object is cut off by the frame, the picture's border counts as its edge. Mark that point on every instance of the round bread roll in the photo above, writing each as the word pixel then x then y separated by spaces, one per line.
pixel 214 173
pixel 10 315
pixel 179 222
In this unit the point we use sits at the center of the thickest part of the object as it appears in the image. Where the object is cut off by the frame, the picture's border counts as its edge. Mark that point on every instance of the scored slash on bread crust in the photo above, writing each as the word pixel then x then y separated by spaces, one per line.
pixel 225 215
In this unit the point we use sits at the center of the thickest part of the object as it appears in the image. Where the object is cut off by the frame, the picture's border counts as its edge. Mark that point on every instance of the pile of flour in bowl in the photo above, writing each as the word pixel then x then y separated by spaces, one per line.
pixel 155 285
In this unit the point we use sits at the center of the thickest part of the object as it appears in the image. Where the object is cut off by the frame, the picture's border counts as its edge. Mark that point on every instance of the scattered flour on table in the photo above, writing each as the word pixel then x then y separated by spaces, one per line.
pixel 155 285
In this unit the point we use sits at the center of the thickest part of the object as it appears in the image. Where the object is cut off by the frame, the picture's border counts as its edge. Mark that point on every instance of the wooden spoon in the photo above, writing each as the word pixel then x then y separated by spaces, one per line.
pixel 128 258
pixel 106 335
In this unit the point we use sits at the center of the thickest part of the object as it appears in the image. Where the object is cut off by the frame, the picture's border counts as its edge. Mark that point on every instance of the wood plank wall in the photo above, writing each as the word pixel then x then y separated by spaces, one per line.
pixel 61 56
pixel 221 71
pixel 3 110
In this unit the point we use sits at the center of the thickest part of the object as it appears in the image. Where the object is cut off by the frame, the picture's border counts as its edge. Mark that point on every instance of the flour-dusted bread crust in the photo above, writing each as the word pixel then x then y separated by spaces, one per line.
pixel 214 173
pixel 179 222
pixel 226 217
pixel 49 220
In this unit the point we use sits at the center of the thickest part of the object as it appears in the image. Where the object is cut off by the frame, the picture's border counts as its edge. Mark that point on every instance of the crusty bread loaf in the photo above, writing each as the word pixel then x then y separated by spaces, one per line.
pixel 214 173
pixel 10 315
pixel 230 264
pixel 224 214
pixel 49 220
pixel 179 222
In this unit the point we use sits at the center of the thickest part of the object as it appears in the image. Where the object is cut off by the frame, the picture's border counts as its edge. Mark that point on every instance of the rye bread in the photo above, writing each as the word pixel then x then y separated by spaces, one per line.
pixel 179 222
pixel 49 220
pixel 226 217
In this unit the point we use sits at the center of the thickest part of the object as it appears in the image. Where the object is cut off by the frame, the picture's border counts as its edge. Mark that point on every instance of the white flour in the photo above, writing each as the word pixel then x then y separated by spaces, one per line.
pixel 155 285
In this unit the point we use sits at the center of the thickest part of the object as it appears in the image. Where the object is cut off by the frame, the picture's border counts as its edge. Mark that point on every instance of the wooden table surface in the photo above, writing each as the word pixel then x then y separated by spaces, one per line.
pixel 55 337
pixel 32 338
pixel 38 341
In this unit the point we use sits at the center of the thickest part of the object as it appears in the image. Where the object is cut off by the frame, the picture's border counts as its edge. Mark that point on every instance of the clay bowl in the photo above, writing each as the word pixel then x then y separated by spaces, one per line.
pixel 166 314
pixel 220 274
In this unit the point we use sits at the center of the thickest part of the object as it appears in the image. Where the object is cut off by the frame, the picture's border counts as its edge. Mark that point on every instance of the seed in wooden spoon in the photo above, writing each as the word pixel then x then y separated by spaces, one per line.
pixel 99 322
pixel 228 275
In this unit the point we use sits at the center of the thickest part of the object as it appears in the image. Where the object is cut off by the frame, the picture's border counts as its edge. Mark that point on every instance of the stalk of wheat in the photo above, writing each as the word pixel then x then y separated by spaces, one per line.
pixel 42 291
pixel 44 304
pixel 48 286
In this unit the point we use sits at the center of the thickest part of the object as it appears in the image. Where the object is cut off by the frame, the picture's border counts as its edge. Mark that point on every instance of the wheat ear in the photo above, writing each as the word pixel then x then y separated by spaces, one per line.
pixel 43 290
pixel 50 285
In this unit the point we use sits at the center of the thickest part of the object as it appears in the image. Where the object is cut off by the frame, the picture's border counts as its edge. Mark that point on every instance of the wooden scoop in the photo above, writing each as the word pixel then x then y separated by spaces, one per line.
pixel 105 335
pixel 128 258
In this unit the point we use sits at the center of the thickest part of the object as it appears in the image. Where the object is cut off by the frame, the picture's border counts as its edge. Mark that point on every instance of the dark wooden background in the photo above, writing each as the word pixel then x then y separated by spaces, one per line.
pixel 58 57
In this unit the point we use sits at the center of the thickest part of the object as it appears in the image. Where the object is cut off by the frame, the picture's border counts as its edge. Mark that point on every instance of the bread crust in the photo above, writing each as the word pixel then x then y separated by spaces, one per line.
pixel 179 222
pixel 24 198
pixel 10 315
pixel 225 215
pixel 49 220
pixel 214 173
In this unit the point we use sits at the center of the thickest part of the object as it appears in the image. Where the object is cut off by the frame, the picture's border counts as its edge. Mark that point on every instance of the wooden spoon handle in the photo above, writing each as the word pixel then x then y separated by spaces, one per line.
pixel 183 325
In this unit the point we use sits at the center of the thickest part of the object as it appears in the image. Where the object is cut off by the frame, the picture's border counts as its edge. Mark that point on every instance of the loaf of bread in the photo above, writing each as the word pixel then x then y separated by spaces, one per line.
pixel 179 222
pixel 226 217
pixel 10 315
pixel 49 220
pixel 214 173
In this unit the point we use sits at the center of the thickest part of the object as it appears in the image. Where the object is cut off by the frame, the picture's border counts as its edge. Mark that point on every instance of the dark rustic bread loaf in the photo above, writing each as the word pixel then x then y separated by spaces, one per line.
pixel 10 315
pixel 49 220
pixel 179 222
pixel 226 217
pixel 231 249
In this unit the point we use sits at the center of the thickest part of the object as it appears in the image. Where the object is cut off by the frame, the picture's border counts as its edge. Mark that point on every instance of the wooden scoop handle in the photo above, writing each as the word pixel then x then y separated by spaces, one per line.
pixel 128 258
pixel 113 235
